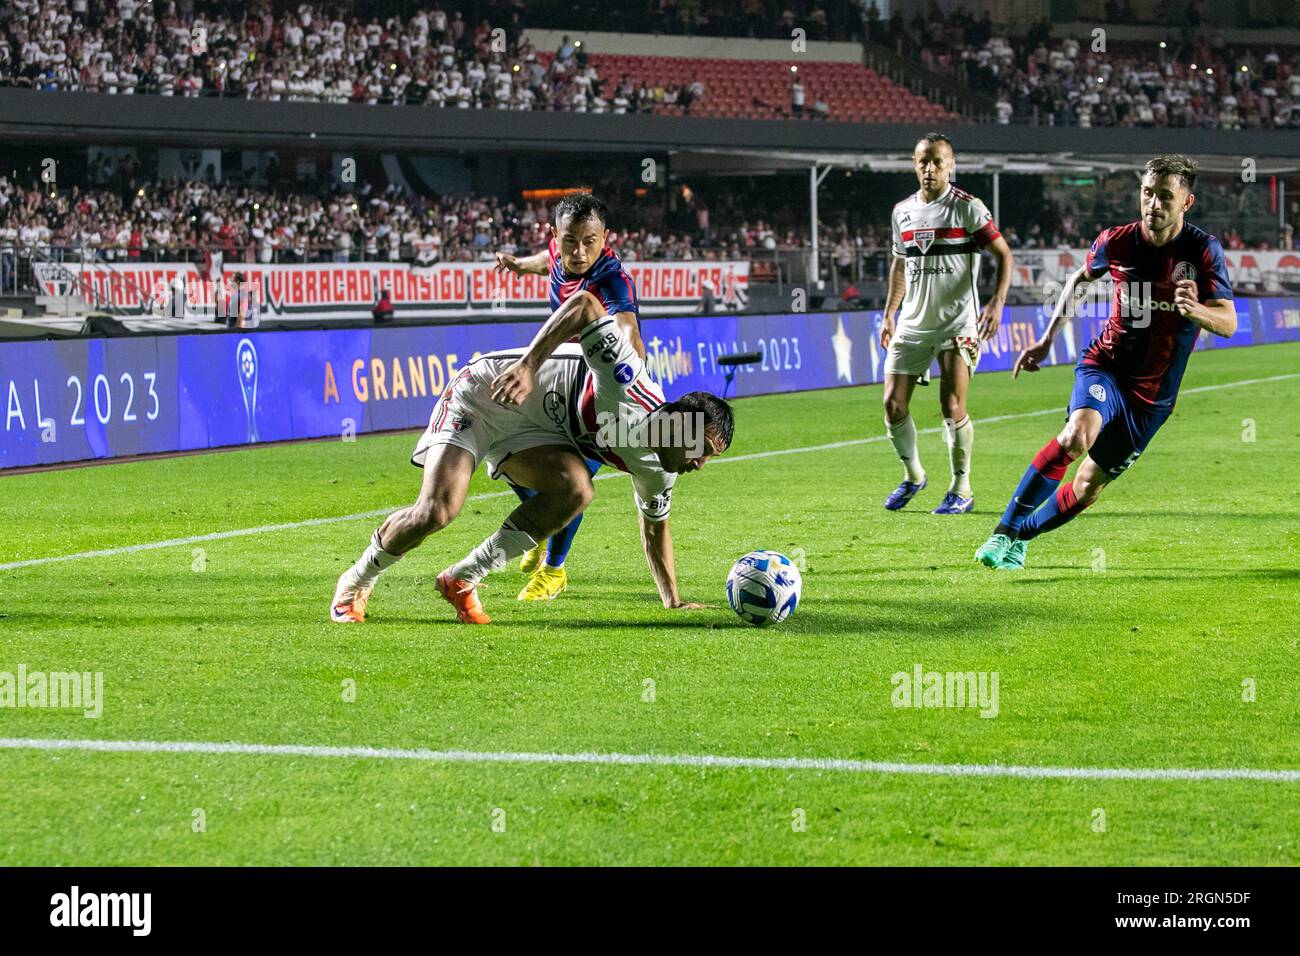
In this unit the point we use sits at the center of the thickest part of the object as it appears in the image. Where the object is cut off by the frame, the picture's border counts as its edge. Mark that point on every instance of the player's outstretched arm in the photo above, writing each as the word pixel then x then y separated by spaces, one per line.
pixel 539 263
pixel 515 384
pixel 1031 357
pixel 658 543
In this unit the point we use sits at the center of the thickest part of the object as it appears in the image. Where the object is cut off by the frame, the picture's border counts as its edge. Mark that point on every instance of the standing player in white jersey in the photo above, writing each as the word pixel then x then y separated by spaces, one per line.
pixel 938 234
pixel 534 416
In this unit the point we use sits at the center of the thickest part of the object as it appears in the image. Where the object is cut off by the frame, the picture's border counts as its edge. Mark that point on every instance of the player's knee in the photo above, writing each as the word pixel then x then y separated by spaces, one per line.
pixel 582 495
pixel 895 408
pixel 432 514
pixel 1075 439
pixel 953 407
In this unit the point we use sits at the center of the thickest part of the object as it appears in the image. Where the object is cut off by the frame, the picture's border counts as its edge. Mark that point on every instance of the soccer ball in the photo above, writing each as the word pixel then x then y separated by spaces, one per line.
pixel 764 588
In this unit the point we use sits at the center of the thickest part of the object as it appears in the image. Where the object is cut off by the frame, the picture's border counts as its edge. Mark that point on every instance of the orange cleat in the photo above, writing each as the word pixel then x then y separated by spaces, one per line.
pixel 350 601
pixel 463 596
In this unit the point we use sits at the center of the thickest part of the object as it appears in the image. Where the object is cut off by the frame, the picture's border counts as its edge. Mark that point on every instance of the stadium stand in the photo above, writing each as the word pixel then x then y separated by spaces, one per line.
pixel 428 59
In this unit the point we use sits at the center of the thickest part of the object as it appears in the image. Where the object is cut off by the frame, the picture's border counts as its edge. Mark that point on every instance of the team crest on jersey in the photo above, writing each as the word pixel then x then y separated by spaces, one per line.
pixel 553 403
pixel 1184 270
pixel 1097 391
pixel 923 239
pixel 623 373
pixel 459 423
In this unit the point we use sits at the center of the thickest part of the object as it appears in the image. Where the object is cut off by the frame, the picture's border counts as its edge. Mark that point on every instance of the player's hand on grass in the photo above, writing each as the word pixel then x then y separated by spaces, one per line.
pixel 506 263
pixel 986 326
pixel 691 606
pixel 1185 296
pixel 514 385
pixel 1030 358
pixel 886 331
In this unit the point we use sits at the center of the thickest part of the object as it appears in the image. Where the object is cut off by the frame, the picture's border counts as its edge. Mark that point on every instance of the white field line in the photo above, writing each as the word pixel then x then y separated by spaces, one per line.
pixel 707 761
pixel 310 522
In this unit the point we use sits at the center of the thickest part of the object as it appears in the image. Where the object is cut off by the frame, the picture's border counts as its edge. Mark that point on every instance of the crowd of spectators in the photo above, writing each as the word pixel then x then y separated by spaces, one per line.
pixel 1196 81
pixel 308 53
pixel 191 221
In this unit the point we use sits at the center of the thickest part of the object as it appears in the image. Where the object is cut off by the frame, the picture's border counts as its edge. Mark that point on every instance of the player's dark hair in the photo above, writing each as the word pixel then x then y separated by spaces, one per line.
pixel 933 138
pixel 580 206
pixel 1174 164
pixel 718 417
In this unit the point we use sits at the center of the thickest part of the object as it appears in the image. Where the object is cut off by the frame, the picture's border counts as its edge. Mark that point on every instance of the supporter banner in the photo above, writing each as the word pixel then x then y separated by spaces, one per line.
pixel 349 290
pixel 1250 270
pixel 97 398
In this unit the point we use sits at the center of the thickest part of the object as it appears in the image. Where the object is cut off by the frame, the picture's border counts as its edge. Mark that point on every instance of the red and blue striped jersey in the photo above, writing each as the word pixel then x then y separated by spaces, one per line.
pixel 1145 342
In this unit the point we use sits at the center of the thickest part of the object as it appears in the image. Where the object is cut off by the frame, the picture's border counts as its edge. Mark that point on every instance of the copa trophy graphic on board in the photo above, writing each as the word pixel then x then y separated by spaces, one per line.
pixel 246 361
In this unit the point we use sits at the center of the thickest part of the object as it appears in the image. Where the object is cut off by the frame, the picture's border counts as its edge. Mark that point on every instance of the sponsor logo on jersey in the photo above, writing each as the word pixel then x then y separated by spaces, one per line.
pixel 1097 391
pixel 623 373
pixel 553 404
pixel 658 506
pixel 1184 270
pixel 1138 306
pixel 923 238
pixel 605 345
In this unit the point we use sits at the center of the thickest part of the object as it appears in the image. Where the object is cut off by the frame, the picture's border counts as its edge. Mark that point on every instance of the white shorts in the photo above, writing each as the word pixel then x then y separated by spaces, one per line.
pixel 467 417
pixel 914 355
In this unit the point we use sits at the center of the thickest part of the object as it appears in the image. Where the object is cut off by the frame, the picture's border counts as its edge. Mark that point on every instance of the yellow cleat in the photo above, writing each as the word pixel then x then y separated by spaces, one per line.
pixel 546 584
pixel 532 559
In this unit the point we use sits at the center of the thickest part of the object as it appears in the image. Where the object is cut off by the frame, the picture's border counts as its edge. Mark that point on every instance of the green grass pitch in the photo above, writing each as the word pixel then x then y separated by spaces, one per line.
pixel 1130 641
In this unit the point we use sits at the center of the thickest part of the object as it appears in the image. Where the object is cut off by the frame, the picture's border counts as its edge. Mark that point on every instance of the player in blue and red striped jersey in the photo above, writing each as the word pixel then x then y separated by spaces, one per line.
pixel 1170 283
pixel 578 259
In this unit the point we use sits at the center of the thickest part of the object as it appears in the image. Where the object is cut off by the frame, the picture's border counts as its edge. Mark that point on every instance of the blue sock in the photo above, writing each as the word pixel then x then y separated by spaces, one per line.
pixel 557 549
pixel 1060 508
pixel 523 493
pixel 1036 486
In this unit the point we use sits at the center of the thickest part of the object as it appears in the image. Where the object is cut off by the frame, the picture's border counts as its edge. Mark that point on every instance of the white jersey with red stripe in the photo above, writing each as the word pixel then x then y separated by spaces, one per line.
pixel 595 395
pixel 940 244
pixel 614 404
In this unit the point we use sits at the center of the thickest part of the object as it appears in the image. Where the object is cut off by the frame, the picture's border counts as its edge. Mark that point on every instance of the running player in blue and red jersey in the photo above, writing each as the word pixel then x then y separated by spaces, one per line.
pixel 1170 282
pixel 578 259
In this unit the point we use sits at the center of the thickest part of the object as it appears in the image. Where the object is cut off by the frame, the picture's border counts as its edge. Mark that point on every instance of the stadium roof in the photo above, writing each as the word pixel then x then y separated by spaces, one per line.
pixel 760 162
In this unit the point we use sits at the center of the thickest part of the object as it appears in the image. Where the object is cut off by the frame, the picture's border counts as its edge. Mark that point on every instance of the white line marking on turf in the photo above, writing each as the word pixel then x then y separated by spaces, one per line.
pixel 659 760
pixel 374 513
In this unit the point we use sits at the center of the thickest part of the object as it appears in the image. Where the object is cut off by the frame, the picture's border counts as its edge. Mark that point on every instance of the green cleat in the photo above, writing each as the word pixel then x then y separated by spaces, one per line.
pixel 993 550
pixel 1014 557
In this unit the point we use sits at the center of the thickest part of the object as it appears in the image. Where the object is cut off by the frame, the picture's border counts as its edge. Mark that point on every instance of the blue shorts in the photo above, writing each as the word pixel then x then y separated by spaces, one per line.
pixel 1126 426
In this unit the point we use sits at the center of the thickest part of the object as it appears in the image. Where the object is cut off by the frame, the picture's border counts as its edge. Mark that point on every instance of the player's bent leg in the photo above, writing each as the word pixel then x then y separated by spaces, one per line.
pixel 902 434
pixel 559 476
pixel 444 484
pixel 1047 469
pixel 532 558
pixel 1070 499
pixel 955 374
pixel 562 481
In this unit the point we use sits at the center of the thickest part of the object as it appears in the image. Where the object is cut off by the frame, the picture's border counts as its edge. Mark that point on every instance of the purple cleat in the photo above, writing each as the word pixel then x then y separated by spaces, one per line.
pixel 904 493
pixel 954 504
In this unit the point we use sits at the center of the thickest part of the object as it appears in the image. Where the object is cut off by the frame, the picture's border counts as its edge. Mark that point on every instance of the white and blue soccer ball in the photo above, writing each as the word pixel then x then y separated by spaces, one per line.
pixel 764 588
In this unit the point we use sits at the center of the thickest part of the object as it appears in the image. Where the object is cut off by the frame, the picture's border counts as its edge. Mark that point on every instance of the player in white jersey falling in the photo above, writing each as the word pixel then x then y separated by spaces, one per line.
pixel 938 234
pixel 534 416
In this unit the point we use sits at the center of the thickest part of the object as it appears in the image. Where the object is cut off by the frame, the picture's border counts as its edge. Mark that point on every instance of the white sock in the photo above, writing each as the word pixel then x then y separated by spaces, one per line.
pixel 961 437
pixel 495 552
pixel 903 435
pixel 373 562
